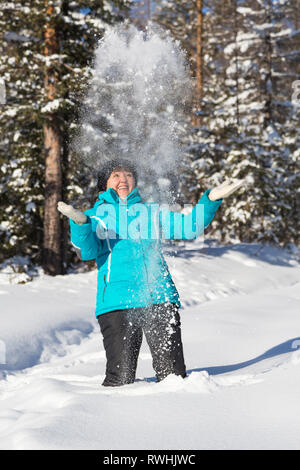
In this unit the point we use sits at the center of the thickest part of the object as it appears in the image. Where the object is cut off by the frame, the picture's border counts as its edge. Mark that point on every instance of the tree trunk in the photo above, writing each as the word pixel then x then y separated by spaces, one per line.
pixel 52 253
pixel 236 54
pixel 199 66
pixel 269 78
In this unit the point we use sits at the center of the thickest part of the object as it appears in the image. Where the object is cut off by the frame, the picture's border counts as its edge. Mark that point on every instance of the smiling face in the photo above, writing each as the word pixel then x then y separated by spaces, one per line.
pixel 122 181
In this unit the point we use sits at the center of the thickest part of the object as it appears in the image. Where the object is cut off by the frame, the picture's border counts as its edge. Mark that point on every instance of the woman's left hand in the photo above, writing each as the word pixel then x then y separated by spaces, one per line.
pixel 225 189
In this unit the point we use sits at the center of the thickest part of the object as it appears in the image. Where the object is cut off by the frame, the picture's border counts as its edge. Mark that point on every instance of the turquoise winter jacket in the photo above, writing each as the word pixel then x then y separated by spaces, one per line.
pixel 124 237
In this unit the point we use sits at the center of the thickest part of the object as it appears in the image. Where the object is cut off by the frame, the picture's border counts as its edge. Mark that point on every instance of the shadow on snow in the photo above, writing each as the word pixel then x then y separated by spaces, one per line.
pixel 267 253
pixel 288 346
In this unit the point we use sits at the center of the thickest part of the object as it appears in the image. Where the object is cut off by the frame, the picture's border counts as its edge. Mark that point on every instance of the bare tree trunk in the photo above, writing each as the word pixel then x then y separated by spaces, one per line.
pixel 52 253
pixel 296 10
pixel 149 9
pixel 199 65
pixel 236 67
pixel 269 78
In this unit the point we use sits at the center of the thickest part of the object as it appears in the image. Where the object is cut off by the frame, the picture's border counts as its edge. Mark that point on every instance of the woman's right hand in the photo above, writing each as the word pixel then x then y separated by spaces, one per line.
pixel 77 216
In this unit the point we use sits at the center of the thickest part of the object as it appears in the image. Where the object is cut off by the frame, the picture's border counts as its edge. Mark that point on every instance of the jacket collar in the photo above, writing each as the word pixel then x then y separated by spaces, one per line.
pixel 110 196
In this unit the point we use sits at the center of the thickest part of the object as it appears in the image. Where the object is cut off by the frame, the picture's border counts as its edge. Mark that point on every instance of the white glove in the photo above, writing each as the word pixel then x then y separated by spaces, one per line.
pixel 69 211
pixel 224 190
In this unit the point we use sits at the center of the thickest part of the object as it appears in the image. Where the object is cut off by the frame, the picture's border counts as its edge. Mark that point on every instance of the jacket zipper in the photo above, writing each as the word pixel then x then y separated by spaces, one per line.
pixel 109 257
pixel 105 286
pixel 146 271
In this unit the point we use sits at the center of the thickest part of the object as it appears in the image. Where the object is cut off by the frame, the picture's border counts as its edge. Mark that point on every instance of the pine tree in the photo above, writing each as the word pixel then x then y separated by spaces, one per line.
pixel 44 76
pixel 264 124
pixel 250 59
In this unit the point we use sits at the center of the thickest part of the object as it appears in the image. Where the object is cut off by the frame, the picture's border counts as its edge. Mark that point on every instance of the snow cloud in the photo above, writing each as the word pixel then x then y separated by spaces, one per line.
pixel 139 88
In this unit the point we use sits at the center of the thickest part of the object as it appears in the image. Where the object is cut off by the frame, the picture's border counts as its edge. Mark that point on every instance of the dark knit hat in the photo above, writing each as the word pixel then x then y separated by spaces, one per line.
pixel 112 165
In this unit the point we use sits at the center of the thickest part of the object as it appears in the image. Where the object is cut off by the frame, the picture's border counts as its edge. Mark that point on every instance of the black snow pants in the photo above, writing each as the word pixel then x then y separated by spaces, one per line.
pixel 122 332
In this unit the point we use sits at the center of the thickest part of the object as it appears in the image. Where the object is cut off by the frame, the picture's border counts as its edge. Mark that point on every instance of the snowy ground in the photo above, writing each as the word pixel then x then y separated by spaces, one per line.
pixel 241 335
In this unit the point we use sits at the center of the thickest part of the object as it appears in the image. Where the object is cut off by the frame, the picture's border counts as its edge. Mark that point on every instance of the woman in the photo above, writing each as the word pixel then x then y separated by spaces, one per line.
pixel 135 291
